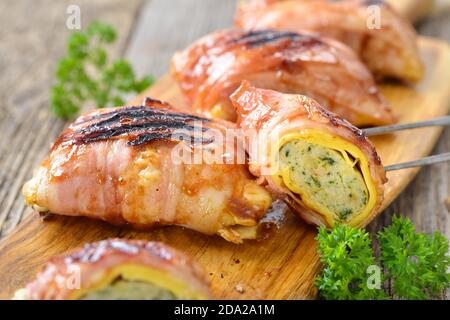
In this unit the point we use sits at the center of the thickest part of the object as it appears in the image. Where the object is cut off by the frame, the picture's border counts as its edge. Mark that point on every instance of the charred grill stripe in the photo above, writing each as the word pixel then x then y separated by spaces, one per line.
pixel 259 38
pixel 137 112
pixel 373 2
pixel 130 127
pixel 366 2
pixel 139 118
pixel 104 115
pixel 103 133
pixel 140 125
pixel 174 136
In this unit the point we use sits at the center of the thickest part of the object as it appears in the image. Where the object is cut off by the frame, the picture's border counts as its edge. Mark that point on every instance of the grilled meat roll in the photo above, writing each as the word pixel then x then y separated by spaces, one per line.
pixel 324 69
pixel 321 165
pixel 118 269
pixel 148 165
pixel 383 39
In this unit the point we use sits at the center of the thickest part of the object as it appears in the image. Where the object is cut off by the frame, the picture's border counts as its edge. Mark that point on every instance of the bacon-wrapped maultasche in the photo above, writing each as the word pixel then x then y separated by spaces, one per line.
pixel 126 166
pixel 322 166
pixel 213 67
pixel 117 269
pixel 381 37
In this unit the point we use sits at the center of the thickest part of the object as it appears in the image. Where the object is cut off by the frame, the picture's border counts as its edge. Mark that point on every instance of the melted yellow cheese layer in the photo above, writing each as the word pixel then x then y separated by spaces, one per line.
pixel 135 272
pixel 352 156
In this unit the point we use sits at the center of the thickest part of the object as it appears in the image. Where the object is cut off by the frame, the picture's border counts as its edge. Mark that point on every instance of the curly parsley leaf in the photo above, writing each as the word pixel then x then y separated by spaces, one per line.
pixel 346 254
pixel 86 75
pixel 417 263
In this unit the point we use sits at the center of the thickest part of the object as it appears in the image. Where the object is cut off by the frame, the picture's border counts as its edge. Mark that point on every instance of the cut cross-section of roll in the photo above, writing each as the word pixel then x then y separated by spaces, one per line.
pixel 321 165
pixel 118 269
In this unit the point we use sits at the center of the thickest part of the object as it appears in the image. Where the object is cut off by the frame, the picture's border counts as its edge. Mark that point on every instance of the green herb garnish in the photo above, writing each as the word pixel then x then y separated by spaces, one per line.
pixel 346 254
pixel 416 264
pixel 85 74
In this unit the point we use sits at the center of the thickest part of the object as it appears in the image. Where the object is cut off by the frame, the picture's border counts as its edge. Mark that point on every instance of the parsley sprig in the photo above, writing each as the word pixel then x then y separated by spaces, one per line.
pixel 86 75
pixel 346 254
pixel 416 264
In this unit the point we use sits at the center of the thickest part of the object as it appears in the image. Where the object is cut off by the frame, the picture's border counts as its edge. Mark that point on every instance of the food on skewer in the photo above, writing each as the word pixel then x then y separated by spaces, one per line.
pixel 118 269
pixel 323 69
pixel 131 165
pixel 383 39
pixel 321 165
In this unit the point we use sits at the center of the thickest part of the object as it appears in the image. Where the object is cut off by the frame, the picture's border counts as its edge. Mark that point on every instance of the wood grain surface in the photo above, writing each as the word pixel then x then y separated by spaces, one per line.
pixel 149 33
pixel 281 267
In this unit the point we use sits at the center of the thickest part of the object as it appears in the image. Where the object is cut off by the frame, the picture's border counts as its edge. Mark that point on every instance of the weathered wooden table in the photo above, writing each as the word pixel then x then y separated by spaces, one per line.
pixel 33 36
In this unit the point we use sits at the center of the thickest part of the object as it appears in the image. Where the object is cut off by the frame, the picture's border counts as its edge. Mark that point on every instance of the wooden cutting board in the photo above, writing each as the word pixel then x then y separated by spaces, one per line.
pixel 280 267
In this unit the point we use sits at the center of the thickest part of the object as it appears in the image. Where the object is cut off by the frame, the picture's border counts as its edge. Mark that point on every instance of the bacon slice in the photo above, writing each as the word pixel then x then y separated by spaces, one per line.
pixel 383 39
pixel 321 165
pixel 99 266
pixel 147 166
pixel 324 69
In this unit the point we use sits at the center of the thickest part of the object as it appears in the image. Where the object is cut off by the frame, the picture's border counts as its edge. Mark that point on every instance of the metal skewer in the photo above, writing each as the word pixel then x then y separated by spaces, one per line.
pixel 419 163
pixel 444 121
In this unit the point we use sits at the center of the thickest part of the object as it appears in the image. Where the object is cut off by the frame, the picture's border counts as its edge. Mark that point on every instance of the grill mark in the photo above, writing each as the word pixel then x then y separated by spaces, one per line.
pixel 146 138
pixel 137 112
pixel 124 128
pixel 365 2
pixel 137 117
pixel 140 124
pixel 373 2
pixel 259 38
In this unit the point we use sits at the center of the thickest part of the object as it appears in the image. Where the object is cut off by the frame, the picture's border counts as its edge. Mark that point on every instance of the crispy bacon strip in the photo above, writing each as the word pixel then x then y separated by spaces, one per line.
pixel 321 165
pixel 389 49
pixel 95 266
pixel 324 69
pixel 147 166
